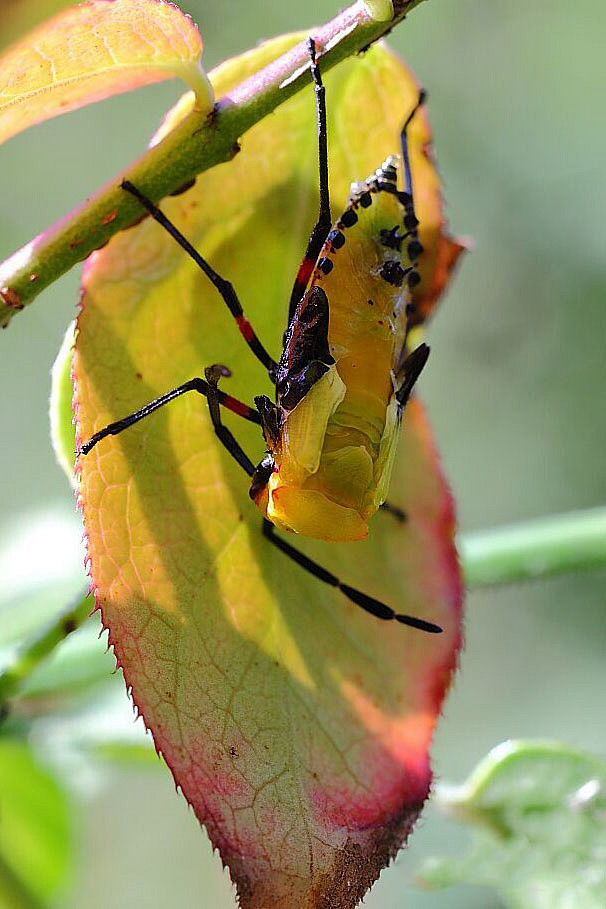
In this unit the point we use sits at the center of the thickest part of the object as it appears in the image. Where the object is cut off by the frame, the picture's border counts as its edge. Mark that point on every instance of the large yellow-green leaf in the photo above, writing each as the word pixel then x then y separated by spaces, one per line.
pixel 91 51
pixel 296 725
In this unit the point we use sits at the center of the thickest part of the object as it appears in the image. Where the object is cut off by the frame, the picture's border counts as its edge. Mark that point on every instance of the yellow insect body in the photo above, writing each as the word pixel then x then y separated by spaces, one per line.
pixel 333 458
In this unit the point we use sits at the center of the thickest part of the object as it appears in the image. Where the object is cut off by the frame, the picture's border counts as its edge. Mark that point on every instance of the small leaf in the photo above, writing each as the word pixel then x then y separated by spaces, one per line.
pixel 296 725
pixel 540 809
pixel 92 51
pixel 35 828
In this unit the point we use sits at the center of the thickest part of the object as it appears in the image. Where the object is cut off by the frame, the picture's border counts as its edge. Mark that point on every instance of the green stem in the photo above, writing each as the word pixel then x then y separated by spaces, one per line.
pixel 535 549
pixel 40 647
pixel 13 893
pixel 199 142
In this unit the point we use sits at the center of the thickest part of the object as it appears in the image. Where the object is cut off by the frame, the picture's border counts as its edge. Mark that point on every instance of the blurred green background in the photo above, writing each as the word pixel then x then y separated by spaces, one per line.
pixel 514 390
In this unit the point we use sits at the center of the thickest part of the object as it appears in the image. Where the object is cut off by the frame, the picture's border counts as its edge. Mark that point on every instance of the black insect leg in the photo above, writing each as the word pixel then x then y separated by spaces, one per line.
pixel 404 141
pixel 398 513
pixel 411 222
pixel 224 287
pixel 196 384
pixel 213 374
pixel 375 607
pixel 323 225
pixel 409 371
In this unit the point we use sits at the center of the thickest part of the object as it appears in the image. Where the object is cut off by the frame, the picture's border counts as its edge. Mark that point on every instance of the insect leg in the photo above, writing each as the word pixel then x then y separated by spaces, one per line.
pixel 224 287
pixel 213 374
pixel 398 513
pixel 375 607
pixel 323 224
pixel 404 141
pixel 411 222
pixel 196 384
pixel 409 371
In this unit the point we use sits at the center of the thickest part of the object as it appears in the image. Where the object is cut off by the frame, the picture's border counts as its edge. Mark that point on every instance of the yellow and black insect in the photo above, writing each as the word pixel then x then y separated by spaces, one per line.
pixel 345 374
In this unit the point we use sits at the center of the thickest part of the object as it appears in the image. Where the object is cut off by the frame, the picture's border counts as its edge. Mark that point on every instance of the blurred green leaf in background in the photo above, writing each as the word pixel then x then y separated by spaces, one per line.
pixel 539 811
pixel 35 830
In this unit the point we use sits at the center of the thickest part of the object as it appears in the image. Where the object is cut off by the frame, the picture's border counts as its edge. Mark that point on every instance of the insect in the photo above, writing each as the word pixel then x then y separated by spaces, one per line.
pixel 345 374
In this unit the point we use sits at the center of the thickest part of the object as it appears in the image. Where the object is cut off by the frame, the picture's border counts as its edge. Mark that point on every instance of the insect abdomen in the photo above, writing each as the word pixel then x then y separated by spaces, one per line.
pixel 335 453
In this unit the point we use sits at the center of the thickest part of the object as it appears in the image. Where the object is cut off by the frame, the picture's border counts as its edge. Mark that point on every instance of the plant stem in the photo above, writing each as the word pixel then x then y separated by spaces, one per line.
pixel 40 647
pixel 535 549
pixel 199 142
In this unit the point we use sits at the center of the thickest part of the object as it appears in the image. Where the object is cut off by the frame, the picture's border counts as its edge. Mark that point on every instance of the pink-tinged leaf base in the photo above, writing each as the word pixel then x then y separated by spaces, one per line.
pixel 297 726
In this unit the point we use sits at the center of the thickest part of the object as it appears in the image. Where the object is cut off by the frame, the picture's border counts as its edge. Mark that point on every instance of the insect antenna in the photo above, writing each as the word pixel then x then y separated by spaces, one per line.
pixel 324 222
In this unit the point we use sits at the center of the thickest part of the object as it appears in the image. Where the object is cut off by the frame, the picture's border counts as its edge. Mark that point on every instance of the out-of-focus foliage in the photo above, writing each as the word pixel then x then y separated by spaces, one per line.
pixel 35 829
pixel 539 810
